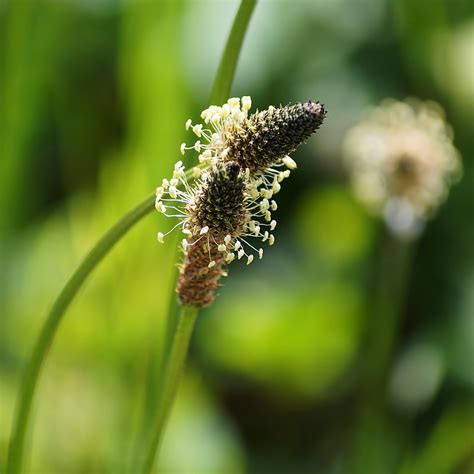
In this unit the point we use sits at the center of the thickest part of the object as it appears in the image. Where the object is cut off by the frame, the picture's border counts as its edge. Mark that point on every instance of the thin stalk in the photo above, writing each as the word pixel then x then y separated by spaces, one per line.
pixel 226 71
pixel 172 376
pixel 387 295
pixel 55 315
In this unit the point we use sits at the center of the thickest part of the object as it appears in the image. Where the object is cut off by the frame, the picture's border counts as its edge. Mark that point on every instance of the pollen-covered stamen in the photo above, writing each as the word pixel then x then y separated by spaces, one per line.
pixel 217 121
pixel 172 197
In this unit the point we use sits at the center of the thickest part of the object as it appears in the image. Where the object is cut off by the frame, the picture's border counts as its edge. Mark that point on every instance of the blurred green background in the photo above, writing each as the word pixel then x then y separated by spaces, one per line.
pixel 94 95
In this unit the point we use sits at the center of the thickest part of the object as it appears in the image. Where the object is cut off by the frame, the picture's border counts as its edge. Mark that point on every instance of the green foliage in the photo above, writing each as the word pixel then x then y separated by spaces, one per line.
pixel 94 100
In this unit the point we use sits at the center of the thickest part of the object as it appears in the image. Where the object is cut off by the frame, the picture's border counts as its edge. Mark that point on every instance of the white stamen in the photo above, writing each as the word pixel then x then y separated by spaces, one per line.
pixel 225 111
pixel 289 162
pixel 249 259
pixel 183 148
pixel 246 102
pixel 160 237
pixel 197 129
pixel 172 192
pixel 160 207
pixel 234 102
pixel 204 230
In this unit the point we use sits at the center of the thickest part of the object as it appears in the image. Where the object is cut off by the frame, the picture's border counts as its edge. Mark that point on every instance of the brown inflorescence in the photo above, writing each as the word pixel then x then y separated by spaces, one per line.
pixel 267 136
pixel 197 282
pixel 219 208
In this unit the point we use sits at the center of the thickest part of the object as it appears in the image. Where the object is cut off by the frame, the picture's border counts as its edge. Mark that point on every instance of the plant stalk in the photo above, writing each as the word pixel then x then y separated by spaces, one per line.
pixel 226 71
pixel 387 293
pixel 172 376
pixel 43 343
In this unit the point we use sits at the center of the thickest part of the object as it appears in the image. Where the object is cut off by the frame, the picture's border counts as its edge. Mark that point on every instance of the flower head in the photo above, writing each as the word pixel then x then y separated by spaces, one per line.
pixel 254 142
pixel 402 161
pixel 230 201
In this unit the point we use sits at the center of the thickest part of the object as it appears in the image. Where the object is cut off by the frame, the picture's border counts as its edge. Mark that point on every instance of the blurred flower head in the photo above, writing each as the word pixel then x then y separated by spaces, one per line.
pixel 402 162
pixel 230 199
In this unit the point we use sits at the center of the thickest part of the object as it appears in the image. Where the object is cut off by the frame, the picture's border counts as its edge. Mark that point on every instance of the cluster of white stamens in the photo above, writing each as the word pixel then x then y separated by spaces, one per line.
pixel 211 145
pixel 172 202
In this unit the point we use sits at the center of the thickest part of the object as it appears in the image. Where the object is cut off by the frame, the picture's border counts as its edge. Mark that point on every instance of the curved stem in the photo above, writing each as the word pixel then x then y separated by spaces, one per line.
pixel 40 350
pixel 172 376
pixel 228 63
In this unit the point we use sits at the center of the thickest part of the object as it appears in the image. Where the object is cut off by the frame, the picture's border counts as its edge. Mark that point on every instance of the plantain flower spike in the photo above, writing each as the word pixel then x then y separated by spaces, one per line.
pixel 225 204
pixel 402 162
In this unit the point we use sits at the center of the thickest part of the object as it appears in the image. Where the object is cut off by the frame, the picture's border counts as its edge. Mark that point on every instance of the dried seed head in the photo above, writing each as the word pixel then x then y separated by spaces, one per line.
pixel 268 136
pixel 402 162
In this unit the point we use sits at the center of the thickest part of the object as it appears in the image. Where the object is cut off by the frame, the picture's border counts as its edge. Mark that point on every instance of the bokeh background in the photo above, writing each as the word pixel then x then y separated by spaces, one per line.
pixel 94 95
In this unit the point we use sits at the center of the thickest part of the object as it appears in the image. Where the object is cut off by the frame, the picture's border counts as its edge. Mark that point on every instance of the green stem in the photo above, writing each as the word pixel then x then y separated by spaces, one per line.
pixel 172 375
pixel 43 343
pixel 387 300
pixel 226 71
pixel 388 293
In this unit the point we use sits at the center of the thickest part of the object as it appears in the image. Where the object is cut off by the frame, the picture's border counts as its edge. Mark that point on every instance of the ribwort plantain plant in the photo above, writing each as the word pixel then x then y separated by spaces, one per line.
pixel 229 203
